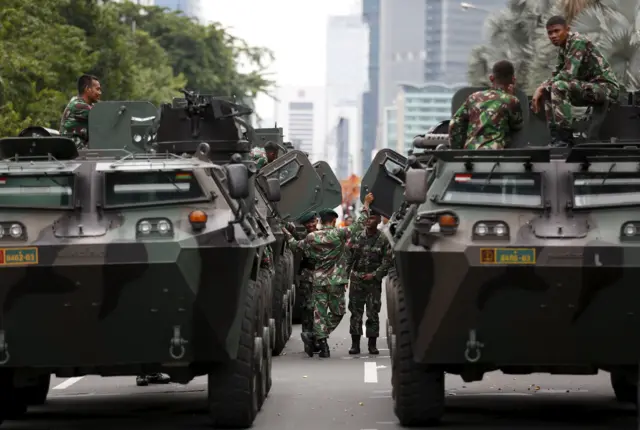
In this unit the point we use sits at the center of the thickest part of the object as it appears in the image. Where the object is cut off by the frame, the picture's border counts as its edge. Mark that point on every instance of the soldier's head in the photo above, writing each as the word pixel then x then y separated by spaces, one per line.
pixel 503 74
pixel 89 88
pixel 557 30
pixel 309 221
pixel 348 220
pixel 271 151
pixel 328 217
pixel 373 221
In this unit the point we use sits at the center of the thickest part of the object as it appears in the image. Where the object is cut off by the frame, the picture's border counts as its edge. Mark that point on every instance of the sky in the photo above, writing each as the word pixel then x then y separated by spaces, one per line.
pixel 294 30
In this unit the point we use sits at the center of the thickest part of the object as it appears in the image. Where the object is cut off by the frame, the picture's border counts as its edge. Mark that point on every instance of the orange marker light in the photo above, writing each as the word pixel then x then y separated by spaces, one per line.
pixel 198 217
pixel 447 221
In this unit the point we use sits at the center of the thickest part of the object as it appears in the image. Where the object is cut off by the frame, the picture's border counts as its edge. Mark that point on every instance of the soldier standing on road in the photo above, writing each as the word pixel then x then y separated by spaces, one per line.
pixel 370 259
pixel 487 119
pixel 327 248
pixel 582 75
pixel 75 118
pixel 305 289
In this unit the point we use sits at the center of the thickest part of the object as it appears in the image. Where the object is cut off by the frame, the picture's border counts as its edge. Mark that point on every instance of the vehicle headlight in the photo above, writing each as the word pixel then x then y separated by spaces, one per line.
pixel 15 230
pixel 481 229
pixel 629 230
pixel 163 227
pixel 500 229
pixel 144 227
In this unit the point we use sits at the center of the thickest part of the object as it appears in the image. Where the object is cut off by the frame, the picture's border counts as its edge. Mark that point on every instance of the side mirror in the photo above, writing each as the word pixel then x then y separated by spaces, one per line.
pixel 273 191
pixel 238 181
pixel 416 186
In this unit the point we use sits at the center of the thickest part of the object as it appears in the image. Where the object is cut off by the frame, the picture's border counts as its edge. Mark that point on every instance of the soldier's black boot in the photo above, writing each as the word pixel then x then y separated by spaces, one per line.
pixel 372 346
pixel 561 137
pixel 324 349
pixel 308 339
pixel 141 381
pixel 355 345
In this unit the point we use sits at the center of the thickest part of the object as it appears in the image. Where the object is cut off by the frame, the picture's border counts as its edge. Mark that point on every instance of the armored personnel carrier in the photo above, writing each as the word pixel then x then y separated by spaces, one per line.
pixel 521 260
pixel 140 255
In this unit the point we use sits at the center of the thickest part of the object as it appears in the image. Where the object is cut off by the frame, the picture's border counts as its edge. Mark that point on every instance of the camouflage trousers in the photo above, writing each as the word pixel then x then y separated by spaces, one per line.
pixel 363 294
pixel 267 260
pixel 304 293
pixel 563 94
pixel 328 309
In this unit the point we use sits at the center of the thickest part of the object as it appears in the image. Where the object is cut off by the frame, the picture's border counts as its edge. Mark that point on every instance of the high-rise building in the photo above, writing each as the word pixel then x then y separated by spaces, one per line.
pixel 191 8
pixel 301 112
pixel 450 32
pixel 370 102
pixel 338 137
pixel 346 78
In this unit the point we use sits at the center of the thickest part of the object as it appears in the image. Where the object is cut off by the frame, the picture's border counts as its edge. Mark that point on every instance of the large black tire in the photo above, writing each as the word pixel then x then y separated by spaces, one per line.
pixel 234 393
pixel 288 256
pixel 418 391
pixel 391 286
pixel 280 305
pixel 625 390
pixel 37 394
pixel 264 282
pixel 13 404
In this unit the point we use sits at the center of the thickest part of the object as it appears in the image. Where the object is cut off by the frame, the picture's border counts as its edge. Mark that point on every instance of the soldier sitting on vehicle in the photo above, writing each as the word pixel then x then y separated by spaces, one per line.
pixel 75 118
pixel 487 119
pixel 262 157
pixel 582 75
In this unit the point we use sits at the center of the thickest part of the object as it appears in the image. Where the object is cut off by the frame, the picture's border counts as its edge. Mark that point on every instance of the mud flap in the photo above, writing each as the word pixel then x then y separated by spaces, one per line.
pixel 385 179
pixel 331 188
pixel 300 185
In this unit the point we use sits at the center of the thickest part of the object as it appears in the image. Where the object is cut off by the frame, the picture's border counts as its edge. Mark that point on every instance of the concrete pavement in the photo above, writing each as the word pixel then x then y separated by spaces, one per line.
pixel 346 392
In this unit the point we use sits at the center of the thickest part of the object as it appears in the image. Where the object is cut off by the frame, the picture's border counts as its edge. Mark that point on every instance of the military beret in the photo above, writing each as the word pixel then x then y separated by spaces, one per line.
pixel 325 212
pixel 307 217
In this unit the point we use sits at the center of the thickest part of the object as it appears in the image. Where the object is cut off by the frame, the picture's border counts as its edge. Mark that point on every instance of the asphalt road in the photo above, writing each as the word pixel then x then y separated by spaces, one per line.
pixel 344 392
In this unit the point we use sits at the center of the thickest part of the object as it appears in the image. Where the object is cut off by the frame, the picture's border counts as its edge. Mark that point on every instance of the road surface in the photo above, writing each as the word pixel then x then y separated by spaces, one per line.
pixel 343 392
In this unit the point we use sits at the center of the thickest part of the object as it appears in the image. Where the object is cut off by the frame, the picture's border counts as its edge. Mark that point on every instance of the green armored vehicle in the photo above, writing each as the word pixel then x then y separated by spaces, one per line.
pixel 522 260
pixel 140 255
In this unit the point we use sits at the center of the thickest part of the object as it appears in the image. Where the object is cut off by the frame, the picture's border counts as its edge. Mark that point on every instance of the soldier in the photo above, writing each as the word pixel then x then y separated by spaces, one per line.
pixel 370 259
pixel 75 118
pixel 262 157
pixel 327 248
pixel 582 75
pixel 310 222
pixel 487 119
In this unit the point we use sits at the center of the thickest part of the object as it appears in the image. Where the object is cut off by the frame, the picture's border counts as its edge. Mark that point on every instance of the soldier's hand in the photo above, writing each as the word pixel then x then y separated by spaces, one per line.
pixel 368 277
pixel 535 100
pixel 368 198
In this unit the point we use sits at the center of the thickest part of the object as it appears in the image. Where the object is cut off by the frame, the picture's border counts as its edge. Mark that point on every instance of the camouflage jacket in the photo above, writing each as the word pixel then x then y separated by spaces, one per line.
pixel 486 120
pixel 327 250
pixel 259 157
pixel 75 121
pixel 307 264
pixel 369 254
pixel 581 60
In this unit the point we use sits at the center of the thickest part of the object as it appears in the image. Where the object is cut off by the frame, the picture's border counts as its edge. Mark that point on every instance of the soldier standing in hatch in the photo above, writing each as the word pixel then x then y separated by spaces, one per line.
pixel 262 157
pixel 310 222
pixel 488 118
pixel 75 118
pixel 327 249
pixel 582 74
pixel 370 259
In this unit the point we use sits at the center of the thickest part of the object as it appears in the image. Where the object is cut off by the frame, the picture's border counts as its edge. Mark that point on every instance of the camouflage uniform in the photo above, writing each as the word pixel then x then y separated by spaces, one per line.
pixel 259 157
pixel 75 121
pixel 485 120
pixel 582 75
pixel 327 247
pixel 305 289
pixel 369 254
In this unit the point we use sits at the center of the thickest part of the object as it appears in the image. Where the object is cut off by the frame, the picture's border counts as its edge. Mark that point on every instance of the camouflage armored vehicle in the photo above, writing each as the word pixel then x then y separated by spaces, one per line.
pixel 521 260
pixel 131 258
pixel 328 194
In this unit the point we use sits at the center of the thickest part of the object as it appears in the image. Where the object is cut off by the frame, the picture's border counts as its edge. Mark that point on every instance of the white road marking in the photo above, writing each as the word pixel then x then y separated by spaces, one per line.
pixel 69 382
pixel 370 372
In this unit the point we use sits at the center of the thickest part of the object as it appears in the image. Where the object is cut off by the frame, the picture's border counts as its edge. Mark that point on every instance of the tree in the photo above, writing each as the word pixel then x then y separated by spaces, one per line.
pixel 610 24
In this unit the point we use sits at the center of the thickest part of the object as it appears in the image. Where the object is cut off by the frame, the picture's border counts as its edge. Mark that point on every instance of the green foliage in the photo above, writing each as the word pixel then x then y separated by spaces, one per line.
pixel 137 53
pixel 518 34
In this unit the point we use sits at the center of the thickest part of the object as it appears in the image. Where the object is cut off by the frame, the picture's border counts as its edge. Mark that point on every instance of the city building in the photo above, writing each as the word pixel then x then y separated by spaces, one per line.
pixel 191 8
pixel 370 100
pixel 450 32
pixel 417 108
pixel 346 79
pixel 301 112
pixel 338 137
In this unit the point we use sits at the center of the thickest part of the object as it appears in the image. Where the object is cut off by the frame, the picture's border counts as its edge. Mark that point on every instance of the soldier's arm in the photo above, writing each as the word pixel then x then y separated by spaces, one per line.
pixel 357 226
pixel 387 261
pixel 516 118
pixel 458 127
pixel 576 52
pixel 294 244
